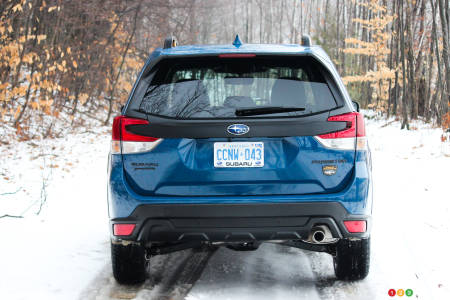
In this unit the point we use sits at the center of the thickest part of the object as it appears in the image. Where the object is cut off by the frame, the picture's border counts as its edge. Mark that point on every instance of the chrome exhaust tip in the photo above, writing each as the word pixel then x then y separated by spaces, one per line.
pixel 318 236
pixel 321 234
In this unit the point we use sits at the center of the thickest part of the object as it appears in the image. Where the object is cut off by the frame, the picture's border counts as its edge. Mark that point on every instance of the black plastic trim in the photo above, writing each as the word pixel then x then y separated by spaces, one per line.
pixel 237 222
pixel 277 127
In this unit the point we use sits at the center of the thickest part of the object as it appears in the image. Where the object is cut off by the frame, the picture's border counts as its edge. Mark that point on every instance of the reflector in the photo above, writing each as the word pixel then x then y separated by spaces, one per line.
pixel 123 229
pixel 355 226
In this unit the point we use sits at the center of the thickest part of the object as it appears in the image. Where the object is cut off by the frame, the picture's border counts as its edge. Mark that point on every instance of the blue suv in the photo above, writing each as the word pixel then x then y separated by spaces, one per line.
pixel 235 145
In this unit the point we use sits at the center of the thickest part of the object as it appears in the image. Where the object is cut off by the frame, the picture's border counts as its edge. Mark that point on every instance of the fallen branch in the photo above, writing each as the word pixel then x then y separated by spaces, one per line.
pixel 43 197
pixel 11 216
pixel 45 180
pixel 11 193
pixel 387 124
pixel 44 154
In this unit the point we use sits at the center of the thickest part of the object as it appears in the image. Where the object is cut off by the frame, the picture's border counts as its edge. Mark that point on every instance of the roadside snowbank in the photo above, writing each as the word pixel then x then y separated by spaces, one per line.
pixel 411 209
pixel 53 255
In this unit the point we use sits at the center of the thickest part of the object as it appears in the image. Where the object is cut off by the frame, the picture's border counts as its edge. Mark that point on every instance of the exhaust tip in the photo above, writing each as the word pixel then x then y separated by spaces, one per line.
pixel 318 236
pixel 321 234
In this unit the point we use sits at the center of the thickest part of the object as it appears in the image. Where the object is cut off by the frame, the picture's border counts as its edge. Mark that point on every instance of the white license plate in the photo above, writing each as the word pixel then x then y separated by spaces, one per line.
pixel 239 155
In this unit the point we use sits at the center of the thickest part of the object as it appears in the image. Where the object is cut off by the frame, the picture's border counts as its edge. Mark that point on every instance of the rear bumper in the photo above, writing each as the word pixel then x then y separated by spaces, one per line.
pixel 236 222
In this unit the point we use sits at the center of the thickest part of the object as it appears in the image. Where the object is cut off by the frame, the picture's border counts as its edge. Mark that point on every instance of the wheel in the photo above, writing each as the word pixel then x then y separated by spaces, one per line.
pixel 128 263
pixel 352 259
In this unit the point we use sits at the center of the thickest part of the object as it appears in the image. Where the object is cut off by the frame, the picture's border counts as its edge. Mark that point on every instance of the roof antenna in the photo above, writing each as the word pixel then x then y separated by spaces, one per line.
pixel 237 41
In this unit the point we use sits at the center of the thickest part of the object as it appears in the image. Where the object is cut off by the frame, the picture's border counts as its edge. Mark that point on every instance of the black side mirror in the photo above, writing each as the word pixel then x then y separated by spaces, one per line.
pixel 356 105
pixel 121 108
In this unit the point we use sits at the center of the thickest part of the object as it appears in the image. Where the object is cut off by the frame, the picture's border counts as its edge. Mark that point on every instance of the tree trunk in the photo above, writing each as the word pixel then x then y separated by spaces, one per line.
pixel 443 12
pixel 125 52
pixel 405 123
pixel 438 60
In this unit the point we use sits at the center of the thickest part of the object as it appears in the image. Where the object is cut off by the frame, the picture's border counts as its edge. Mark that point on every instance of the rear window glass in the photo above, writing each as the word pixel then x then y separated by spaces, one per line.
pixel 216 87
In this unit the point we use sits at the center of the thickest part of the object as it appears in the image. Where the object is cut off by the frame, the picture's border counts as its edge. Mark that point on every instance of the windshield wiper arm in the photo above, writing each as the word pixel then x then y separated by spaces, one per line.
pixel 266 110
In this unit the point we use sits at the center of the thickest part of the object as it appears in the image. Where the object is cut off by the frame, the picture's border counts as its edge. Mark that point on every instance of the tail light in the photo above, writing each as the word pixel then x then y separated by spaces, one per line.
pixel 354 135
pixel 124 141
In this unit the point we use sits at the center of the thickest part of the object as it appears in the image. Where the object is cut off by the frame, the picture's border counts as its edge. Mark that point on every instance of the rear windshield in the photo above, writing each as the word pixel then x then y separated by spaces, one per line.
pixel 206 88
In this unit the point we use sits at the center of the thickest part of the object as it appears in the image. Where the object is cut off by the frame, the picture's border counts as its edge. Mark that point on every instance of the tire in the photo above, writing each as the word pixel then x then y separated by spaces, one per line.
pixel 352 260
pixel 128 263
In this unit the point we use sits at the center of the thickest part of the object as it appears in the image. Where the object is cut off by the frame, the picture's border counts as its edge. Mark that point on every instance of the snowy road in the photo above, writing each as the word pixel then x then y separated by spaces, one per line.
pixel 272 272
pixel 171 277
pixel 409 248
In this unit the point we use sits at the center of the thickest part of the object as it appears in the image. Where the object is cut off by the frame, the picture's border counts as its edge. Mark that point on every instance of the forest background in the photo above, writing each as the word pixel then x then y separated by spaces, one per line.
pixel 71 64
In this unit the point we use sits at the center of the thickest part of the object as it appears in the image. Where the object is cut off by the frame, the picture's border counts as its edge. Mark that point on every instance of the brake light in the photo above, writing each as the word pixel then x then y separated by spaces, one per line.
pixel 356 226
pixel 353 129
pixel 237 55
pixel 123 229
pixel 120 131
pixel 354 133
pixel 128 142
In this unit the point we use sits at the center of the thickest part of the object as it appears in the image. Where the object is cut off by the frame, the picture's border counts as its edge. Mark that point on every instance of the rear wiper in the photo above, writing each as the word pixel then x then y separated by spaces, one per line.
pixel 266 110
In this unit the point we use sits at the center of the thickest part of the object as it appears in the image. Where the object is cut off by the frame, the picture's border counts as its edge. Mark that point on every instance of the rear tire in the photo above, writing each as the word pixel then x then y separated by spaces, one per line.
pixel 352 260
pixel 128 263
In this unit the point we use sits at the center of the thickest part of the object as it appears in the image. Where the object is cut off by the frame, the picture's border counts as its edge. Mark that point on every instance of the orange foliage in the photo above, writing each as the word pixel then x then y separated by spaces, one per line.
pixel 378 49
pixel 446 121
pixel 39 77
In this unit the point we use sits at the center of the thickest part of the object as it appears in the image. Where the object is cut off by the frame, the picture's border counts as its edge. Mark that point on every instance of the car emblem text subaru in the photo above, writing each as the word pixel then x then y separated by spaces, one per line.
pixel 238 129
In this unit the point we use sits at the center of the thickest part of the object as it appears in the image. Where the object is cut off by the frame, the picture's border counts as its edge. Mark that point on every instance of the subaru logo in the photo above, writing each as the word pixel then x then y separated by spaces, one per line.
pixel 238 129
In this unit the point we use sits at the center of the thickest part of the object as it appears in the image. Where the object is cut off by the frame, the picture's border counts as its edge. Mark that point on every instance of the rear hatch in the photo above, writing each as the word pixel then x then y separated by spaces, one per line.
pixel 228 126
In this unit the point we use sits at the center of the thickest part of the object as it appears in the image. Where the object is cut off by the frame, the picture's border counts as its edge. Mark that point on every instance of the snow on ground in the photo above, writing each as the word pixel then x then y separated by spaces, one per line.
pixel 411 209
pixel 63 252
pixel 53 255
pixel 272 272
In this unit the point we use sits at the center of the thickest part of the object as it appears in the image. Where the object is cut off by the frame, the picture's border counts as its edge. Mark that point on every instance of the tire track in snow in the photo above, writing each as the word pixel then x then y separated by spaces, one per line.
pixel 271 272
pixel 171 276
pixel 180 280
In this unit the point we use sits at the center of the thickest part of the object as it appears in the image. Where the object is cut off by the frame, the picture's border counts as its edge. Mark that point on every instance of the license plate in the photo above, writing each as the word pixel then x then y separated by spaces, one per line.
pixel 239 155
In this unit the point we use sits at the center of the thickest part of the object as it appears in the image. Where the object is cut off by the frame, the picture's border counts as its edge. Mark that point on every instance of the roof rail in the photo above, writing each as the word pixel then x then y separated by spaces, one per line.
pixel 306 40
pixel 170 42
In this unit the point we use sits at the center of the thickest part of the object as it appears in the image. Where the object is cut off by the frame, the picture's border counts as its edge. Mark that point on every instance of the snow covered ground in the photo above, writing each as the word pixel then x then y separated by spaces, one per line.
pixel 63 252
pixel 53 255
